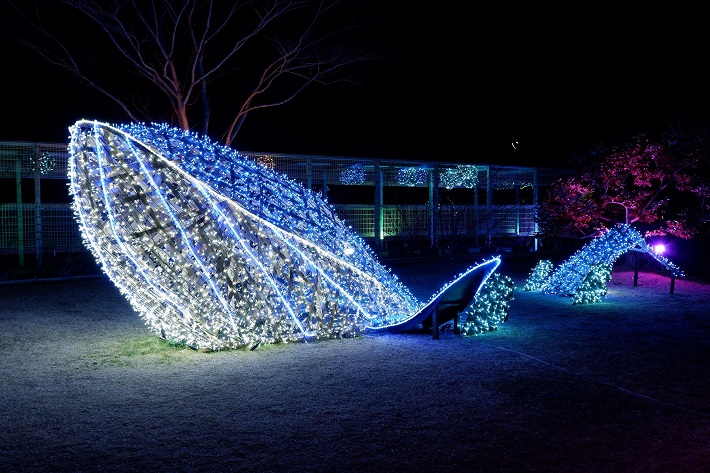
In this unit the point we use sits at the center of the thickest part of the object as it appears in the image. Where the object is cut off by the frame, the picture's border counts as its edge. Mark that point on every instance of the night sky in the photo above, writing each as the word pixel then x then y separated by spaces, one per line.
pixel 456 84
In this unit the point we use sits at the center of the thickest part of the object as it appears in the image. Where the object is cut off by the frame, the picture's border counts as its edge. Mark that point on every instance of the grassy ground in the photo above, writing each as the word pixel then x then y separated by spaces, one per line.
pixel 621 385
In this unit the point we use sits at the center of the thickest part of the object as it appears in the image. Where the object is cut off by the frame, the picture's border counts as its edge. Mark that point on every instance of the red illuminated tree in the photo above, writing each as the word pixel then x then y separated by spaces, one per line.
pixel 183 60
pixel 660 186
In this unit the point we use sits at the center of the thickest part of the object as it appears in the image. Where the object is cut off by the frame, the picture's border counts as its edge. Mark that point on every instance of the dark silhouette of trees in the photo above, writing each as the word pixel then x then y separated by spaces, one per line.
pixel 658 185
pixel 188 61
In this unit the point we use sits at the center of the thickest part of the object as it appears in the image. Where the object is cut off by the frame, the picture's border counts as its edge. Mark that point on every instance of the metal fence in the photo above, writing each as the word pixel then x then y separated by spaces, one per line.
pixel 55 232
pixel 36 218
pixel 456 222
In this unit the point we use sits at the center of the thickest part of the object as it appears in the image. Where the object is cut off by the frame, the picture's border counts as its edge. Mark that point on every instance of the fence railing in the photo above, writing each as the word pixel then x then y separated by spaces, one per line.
pixel 33 223
pixel 57 232
pixel 455 222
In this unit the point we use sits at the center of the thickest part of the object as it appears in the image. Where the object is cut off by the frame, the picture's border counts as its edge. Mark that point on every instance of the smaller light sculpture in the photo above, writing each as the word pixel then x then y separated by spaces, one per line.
pixel 460 176
pixel 266 161
pixel 538 276
pixel 412 176
pixel 216 251
pixel 569 277
pixel 353 176
pixel 491 307
pixel 593 288
pixel 42 162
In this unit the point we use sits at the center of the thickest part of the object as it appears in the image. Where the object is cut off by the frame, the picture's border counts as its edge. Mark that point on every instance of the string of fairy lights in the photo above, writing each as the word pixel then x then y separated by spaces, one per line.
pixel 593 287
pixel 460 176
pixel 538 276
pixel 43 162
pixel 508 185
pixel 353 175
pixel 218 251
pixel 584 275
pixel 464 176
pixel 491 306
pixel 412 176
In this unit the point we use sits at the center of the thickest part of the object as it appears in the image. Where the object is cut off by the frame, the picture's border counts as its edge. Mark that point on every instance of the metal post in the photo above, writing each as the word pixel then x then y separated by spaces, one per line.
pixel 476 216
pixel 38 213
pixel 672 283
pixel 378 217
pixel 434 207
pixel 20 222
pixel 325 184
pixel 517 209
pixel 636 268
pixel 535 196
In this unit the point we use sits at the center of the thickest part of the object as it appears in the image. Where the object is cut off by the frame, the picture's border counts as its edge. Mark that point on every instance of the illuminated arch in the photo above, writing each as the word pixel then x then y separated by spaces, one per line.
pixel 568 278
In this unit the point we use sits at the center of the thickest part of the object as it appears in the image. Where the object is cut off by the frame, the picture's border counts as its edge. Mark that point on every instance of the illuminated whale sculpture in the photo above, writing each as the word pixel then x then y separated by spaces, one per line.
pixel 216 251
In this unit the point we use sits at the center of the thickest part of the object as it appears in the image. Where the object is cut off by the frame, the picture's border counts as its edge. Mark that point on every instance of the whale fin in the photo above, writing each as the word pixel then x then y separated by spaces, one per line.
pixel 453 298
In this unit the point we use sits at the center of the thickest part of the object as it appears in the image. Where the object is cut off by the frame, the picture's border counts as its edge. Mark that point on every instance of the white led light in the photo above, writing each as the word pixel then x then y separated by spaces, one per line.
pixel 353 176
pixel 460 176
pixel 412 176
pixel 538 276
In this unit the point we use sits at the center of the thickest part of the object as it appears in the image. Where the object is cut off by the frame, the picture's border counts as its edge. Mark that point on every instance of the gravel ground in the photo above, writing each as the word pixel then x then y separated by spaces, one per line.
pixel 621 385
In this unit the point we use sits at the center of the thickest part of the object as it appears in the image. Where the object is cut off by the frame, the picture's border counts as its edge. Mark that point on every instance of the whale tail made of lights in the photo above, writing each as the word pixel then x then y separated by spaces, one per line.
pixel 569 277
pixel 216 251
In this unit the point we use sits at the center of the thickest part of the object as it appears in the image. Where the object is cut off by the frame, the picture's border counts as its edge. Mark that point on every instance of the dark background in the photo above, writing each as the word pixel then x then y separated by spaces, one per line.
pixel 453 82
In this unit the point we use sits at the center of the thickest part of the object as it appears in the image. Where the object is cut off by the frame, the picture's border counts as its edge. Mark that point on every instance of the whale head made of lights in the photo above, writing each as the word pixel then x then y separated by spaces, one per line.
pixel 216 251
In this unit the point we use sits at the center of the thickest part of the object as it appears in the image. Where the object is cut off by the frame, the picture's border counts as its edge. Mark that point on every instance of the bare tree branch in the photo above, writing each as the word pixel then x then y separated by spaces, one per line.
pixel 198 54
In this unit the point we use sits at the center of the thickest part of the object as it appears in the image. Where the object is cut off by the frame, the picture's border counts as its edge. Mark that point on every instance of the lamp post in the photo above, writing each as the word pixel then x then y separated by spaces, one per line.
pixel 636 253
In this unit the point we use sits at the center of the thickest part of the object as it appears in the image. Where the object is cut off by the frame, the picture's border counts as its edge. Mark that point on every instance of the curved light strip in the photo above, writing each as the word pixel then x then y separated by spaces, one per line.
pixel 216 251
pixel 488 267
pixel 183 233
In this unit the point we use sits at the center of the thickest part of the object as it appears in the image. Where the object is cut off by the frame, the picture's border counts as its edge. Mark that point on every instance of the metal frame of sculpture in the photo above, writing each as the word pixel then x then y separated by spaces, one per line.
pixel 216 251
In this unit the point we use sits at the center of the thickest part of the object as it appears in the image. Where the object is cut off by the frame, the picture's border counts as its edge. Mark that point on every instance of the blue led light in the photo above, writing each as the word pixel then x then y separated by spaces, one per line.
pixel 353 176
pixel 593 287
pixel 461 176
pixel 412 176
